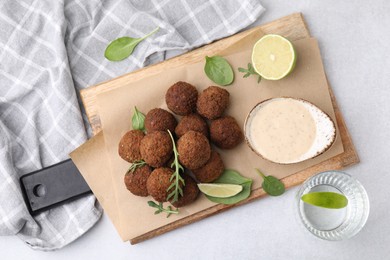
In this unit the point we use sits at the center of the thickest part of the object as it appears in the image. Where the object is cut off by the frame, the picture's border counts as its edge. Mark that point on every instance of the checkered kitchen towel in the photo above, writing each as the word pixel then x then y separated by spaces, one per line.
pixel 51 49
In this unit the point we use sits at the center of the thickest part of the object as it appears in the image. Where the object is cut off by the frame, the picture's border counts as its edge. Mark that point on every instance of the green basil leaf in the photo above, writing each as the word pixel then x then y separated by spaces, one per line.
pixel 233 177
pixel 219 70
pixel 271 185
pixel 123 47
pixel 330 200
pixel 138 120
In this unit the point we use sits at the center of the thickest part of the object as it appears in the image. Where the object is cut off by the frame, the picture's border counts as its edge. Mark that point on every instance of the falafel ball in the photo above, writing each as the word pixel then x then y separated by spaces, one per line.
pixel 129 146
pixel 194 150
pixel 156 148
pixel 190 192
pixel 136 181
pixel 225 132
pixel 212 102
pixel 181 98
pixel 159 119
pixel 168 164
pixel 192 122
pixel 158 183
pixel 211 170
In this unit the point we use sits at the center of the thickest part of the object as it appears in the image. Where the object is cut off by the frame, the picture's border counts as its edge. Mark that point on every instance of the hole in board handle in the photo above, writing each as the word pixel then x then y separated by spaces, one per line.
pixel 39 190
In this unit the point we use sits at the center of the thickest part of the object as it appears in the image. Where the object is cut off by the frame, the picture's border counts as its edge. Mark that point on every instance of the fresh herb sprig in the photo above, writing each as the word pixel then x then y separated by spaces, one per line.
pixel 250 71
pixel 135 165
pixel 271 185
pixel 160 208
pixel 175 188
pixel 123 47
pixel 219 70
pixel 138 120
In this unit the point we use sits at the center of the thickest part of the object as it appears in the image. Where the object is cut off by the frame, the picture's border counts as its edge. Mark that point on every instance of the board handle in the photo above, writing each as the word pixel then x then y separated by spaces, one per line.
pixel 52 186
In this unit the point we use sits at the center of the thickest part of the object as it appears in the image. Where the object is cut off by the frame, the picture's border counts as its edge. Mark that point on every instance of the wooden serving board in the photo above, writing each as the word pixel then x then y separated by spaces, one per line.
pixel 292 27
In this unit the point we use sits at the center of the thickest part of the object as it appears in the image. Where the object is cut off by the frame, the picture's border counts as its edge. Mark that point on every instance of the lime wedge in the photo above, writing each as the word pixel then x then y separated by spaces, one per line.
pixel 273 57
pixel 330 200
pixel 220 190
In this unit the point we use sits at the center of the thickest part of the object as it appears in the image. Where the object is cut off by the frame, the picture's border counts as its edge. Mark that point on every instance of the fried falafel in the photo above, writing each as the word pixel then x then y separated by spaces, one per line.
pixel 158 183
pixel 194 150
pixel 192 122
pixel 190 192
pixel 168 164
pixel 225 132
pixel 156 148
pixel 211 170
pixel 159 119
pixel 136 181
pixel 129 146
pixel 181 98
pixel 212 102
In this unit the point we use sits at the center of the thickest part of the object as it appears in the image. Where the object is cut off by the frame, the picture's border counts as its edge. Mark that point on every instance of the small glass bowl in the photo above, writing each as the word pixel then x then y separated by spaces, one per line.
pixel 334 224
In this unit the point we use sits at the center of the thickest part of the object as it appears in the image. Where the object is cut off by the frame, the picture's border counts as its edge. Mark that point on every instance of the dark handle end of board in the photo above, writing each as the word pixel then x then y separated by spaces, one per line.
pixel 52 186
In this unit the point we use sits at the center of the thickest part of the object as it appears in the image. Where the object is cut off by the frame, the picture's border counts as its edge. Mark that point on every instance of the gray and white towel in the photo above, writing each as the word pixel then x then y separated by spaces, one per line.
pixel 49 50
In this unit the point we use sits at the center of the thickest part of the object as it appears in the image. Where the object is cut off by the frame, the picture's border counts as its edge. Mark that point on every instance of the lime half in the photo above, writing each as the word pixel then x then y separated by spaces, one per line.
pixel 273 57
pixel 220 190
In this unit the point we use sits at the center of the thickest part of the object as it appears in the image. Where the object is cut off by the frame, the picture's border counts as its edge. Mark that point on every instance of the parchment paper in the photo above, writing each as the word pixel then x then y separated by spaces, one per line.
pixel 91 160
pixel 307 81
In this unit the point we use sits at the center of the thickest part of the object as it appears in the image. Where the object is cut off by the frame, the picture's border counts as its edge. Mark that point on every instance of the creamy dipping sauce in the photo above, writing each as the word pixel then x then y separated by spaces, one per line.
pixel 282 130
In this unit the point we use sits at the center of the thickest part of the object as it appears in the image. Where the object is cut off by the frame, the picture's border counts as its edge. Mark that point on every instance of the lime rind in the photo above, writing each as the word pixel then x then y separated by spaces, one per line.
pixel 291 64
pixel 220 190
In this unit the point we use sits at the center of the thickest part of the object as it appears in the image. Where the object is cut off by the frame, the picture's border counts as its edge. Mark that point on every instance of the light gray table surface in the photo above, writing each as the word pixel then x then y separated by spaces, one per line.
pixel 354 38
